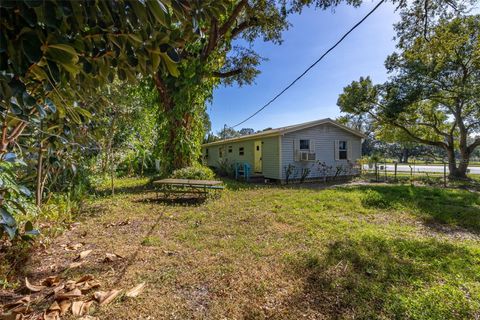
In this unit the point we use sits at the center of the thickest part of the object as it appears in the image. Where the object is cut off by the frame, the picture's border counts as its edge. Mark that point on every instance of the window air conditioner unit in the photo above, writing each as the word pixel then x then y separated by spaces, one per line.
pixel 307 156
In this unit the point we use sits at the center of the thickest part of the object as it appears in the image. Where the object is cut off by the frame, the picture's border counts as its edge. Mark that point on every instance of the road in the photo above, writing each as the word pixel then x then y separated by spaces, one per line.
pixel 420 168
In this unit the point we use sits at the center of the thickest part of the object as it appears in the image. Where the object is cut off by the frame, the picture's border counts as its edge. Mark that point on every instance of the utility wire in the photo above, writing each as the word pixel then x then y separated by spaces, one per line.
pixel 311 66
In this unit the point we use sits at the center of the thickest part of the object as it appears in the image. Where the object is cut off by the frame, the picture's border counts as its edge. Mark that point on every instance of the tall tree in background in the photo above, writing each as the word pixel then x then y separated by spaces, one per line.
pixel 217 57
pixel 432 96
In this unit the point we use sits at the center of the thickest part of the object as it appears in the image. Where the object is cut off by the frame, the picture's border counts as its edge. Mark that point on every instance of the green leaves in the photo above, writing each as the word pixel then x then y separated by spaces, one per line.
pixel 159 11
pixel 31 47
pixel 64 55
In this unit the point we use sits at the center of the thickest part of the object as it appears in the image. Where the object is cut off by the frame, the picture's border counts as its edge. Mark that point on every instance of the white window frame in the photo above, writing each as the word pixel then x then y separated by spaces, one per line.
pixel 221 152
pixel 347 149
pixel 300 145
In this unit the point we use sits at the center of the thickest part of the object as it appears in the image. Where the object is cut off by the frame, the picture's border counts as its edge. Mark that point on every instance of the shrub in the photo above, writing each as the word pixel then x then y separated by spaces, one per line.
pixel 374 199
pixel 196 172
pixel 225 168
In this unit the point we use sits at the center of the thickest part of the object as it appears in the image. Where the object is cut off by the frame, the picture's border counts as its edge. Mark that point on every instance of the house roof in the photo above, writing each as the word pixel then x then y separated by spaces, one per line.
pixel 283 130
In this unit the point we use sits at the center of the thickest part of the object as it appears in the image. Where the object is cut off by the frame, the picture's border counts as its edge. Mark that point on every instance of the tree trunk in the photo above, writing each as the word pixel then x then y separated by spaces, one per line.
pixel 405 155
pixel 459 172
pixel 173 154
pixel 39 184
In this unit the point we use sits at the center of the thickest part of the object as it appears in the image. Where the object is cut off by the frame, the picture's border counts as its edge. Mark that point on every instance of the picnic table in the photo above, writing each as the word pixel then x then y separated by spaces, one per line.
pixel 186 186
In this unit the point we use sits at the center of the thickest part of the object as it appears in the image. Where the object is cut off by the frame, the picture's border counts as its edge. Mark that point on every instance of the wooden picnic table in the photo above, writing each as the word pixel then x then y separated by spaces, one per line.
pixel 187 186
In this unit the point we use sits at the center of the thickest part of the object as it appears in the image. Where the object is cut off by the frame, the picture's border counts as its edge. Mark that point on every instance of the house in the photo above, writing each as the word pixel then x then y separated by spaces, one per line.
pixel 314 149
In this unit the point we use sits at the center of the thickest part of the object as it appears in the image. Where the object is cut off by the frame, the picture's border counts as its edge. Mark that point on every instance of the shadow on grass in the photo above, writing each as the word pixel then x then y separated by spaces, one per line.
pixel 457 208
pixel 135 189
pixel 373 277
pixel 236 185
pixel 176 201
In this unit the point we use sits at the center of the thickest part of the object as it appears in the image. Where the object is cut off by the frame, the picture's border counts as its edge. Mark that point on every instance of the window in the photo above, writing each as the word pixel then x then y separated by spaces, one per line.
pixel 342 150
pixel 304 144
pixel 230 149
pixel 206 152
pixel 241 151
pixel 220 152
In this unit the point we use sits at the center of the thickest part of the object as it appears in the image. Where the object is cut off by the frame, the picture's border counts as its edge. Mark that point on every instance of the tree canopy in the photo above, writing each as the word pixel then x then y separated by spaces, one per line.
pixel 432 96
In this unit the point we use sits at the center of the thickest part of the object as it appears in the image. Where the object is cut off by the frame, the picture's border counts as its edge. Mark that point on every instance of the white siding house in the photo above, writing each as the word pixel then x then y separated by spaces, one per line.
pixel 311 146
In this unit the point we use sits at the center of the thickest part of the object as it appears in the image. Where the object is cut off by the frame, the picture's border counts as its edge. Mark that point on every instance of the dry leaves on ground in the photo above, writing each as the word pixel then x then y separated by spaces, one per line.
pixel 64 296
pixel 134 292
pixel 83 254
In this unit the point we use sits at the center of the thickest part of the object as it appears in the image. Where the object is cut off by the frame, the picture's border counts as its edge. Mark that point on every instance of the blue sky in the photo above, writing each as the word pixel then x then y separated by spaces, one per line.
pixel 315 95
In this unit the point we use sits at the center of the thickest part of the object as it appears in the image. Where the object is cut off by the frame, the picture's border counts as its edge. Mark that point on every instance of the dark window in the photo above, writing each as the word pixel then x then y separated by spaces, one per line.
pixel 241 151
pixel 220 152
pixel 230 149
pixel 258 148
pixel 304 144
pixel 342 150
pixel 206 152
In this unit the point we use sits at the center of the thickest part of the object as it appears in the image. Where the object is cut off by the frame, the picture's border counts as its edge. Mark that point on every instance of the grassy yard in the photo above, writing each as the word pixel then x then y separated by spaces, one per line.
pixel 345 252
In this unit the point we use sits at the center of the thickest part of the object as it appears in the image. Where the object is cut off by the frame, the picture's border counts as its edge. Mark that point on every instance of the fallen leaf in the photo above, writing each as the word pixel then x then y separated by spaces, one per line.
pixel 51 315
pixel 51 281
pixel 21 309
pixel 74 265
pixel 132 293
pixel 88 318
pixel 32 287
pixel 89 285
pixel 80 308
pixel 70 285
pixel 110 257
pixel 58 288
pixel 64 306
pixel 75 293
pixel 23 301
pixel 83 254
pixel 11 316
pixel 85 278
pixel 104 298
pixel 54 307
pixel 73 247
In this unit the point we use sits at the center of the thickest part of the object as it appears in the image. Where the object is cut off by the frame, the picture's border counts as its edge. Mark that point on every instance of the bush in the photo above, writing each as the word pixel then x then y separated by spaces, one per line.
pixel 373 199
pixel 225 168
pixel 197 172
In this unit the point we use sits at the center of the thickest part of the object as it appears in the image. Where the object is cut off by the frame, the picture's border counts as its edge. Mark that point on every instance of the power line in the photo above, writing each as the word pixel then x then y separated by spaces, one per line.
pixel 311 66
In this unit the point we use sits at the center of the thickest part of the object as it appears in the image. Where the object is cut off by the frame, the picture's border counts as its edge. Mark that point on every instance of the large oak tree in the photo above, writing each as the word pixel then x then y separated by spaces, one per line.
pixel 433 95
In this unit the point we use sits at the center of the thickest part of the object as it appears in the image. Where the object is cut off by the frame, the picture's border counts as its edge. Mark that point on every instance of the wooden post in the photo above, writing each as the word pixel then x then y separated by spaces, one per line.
pixel 411 175
pixel 385 169
pixel 396 171
pixel 444 174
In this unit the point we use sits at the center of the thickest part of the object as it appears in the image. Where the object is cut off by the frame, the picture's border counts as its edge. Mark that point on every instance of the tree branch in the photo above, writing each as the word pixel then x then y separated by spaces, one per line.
pixel 414 137
pixel 236 12
pixel 434 127
pixel 475 144
pixel 212 39
pixel 227 74
pixel 243 26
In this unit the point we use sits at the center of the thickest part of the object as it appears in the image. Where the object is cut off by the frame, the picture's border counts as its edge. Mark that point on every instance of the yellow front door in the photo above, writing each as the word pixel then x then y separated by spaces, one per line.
pixel 258 156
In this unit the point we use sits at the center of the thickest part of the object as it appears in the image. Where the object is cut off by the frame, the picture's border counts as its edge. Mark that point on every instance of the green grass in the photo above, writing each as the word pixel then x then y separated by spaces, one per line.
pixel 290 252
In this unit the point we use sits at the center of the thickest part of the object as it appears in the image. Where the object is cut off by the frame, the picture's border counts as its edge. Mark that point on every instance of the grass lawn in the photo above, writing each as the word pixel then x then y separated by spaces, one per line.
pixel 354 251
